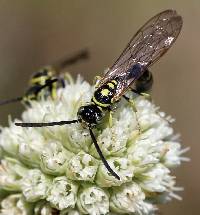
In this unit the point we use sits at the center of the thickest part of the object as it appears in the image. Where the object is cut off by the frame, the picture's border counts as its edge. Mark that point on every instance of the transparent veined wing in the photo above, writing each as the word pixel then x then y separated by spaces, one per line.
pixel 151 41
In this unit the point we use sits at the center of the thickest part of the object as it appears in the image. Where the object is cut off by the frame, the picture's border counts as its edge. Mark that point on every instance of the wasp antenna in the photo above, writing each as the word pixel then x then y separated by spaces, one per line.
pixel 102 156
pixel 11 100
pixel 81 55
pixel 45 124
pixel 84 54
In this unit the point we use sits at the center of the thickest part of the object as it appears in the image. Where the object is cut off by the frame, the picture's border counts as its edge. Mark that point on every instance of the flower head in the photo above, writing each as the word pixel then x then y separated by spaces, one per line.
pixel 58 170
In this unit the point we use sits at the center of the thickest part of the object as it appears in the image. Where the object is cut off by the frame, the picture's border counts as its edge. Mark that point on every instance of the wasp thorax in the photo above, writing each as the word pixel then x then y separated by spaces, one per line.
pixel 43 75
pixel 89 114
pixel 48 71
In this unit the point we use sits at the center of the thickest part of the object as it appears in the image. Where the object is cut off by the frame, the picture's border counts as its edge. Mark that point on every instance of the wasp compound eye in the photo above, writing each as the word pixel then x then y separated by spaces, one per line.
pixel 145 82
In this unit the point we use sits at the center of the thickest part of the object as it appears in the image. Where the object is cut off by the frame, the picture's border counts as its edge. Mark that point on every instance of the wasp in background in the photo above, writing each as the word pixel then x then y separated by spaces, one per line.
pixel 45 82
pixel 151 42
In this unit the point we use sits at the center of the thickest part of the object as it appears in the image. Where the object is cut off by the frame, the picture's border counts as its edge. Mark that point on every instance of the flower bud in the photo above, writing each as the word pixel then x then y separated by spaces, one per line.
pixel 93 200
pixel 121 166
pixel 82 167
pixel 10 138
pixel 44 208
pixel 129 198
pixel 30 147
pixel 11 173
pixel 54 158
pixel 62 193
pixel 35 185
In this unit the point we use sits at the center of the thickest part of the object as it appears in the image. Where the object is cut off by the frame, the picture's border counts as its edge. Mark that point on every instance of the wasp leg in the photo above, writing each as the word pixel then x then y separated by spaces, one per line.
pixel 132 103
pixel 96 81
pixel 111 111
pixel 67 76
pixel 52 85
pixel 146 95
pixel 69 61
pixel 110 118
pixel 53 91
pixel 62 81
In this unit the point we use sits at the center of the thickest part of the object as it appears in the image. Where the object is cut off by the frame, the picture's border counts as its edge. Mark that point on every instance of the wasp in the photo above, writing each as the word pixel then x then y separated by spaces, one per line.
pixel 45 81
pixel 151 41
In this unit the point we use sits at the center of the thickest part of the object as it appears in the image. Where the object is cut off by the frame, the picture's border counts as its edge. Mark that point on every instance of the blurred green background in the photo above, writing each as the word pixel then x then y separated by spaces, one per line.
pixel 35 33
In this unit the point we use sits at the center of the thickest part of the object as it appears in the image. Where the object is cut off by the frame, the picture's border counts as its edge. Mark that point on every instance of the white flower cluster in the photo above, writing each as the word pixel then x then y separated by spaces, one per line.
pixel 56 170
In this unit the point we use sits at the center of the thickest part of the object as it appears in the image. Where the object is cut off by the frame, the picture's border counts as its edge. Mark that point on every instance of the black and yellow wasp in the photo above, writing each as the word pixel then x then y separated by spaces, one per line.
pixel 45 82
pixel 151 41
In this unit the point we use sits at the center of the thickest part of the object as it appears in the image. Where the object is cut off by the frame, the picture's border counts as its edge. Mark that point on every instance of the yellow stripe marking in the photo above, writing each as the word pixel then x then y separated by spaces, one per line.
pixel 40 80
pixel 29 97
pixel 99 103
pixel 114 82
pixel 105 92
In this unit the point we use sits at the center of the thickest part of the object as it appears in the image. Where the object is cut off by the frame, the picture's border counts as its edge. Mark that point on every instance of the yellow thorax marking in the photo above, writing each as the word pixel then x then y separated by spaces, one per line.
pixel 39 80
pixel 105 92
pixel 114 82
pixel 111 85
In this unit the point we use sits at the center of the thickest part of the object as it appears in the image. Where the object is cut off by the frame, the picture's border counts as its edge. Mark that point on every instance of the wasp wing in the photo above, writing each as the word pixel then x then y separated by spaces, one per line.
pixel 151 41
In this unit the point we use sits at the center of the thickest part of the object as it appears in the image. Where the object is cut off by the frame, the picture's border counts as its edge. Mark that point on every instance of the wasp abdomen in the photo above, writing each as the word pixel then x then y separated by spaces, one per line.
pixel 145 82
pixel 104 94
pixel 135 71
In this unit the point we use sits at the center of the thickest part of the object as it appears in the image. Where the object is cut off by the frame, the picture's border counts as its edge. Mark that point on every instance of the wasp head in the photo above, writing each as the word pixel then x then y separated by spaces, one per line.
pixel 89 114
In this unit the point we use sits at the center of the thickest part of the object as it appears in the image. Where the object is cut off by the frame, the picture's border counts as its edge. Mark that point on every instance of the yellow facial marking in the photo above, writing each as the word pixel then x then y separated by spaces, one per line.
pixel 105 92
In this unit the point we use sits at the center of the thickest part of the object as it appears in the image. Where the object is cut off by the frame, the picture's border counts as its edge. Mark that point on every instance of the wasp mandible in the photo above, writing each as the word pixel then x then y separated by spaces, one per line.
pixel 151 41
